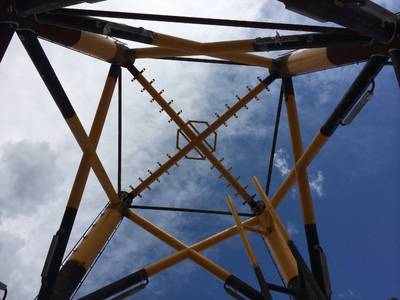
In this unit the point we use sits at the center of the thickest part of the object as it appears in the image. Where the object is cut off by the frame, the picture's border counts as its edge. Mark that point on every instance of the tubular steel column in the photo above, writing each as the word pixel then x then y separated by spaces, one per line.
pixel 395 56
pixel 6 34
pixel 32 7
pixel 60 240
pixel 277 238
pixel 250 252
pixel 80 261
pixel 303 282
pixel 49 77
pixel 91 44
pixel 317 256
pixel 314 60
pixel 360 84
pixel 119 167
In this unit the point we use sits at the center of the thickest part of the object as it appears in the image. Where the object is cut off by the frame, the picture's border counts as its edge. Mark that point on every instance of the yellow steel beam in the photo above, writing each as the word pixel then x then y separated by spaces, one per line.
pixel 304 161
pixel 243 234
pixel 94 135
pixel 106 49
pixel 92 44
pixel 173 42
pixel 167 262
pixel 209 265
pixel 216 49
pixel 184 251
pixel 94 241
pixel 277 238
pixel 245 58
pixel 297 147
pixel 84 255
pixel 309 219
pixel 87 147
pixel 313 60
pixel 154 230
pixel 60 240
pixel 270 210
pixel 222 236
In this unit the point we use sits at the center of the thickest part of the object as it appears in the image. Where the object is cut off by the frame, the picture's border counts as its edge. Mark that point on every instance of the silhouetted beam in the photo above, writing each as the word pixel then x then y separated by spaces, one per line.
pixel 6 33
pixel 312 60
pixel 312 40
pixel 203 60
pixel 395 57
pixel 190 210
pixel 362 16
pixel 200 21
pixel 26 8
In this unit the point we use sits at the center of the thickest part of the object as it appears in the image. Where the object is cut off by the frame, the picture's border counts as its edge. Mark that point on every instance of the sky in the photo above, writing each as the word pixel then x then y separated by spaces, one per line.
pixel 353 180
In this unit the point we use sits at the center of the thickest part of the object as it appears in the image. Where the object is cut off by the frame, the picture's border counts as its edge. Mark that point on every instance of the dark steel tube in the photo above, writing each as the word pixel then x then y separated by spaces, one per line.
pixel 31 7
pixel 119 131
pixel 395 57
pixel 190 210
pixel 274 141
pixel 200 21
pixel 6 34
pixel 360 84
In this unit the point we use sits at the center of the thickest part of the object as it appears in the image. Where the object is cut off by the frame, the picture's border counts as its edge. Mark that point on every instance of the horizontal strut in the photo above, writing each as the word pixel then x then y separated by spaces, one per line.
pixel 201 21
pixel 190 210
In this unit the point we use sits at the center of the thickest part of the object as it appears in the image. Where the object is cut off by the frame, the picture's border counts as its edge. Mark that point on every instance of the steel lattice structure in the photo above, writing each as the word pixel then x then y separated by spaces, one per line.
pixel 368 33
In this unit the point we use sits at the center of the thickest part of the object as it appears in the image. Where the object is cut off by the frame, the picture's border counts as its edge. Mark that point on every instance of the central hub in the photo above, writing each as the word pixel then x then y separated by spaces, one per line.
pixel 197 126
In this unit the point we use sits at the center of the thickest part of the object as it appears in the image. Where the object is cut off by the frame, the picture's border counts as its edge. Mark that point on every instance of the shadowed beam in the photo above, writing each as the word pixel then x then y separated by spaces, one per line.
pixel 313 60
pixel 395 57
pixel 200 21
pixel 261 44
pixel 26 8
pixel 6 34
pixel 365 17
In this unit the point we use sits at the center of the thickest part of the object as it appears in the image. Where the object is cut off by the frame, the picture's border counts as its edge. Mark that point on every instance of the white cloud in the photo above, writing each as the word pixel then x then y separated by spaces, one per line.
pixel 316 183
pixel 349 294
pixel 292 228
pixel 281 162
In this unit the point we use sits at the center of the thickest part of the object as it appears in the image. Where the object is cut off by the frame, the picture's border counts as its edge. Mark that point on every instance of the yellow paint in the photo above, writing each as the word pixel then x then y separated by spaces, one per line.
pixel 92 244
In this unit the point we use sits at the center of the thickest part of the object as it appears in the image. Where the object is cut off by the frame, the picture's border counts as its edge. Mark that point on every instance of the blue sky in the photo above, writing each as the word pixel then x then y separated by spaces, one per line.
pixel 355 191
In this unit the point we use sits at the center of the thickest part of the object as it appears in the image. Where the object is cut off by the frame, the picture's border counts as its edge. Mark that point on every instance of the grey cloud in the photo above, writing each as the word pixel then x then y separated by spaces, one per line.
pixel 29 174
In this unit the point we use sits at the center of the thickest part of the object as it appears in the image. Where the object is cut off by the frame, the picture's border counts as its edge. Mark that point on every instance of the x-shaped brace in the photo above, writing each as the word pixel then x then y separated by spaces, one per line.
pixel 197 140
